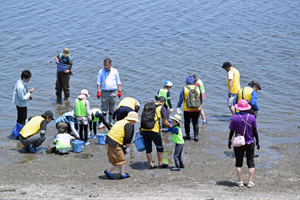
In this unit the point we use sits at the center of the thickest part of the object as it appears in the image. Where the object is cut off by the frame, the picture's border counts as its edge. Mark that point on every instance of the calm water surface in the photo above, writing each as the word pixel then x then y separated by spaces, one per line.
pixel 153 41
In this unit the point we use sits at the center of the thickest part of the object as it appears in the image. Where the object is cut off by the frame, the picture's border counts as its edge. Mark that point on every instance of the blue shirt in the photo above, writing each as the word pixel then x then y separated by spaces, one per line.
pixel 122 112
pixel 173 130
pixel 21 94
pixel 108 80
pixel 253 101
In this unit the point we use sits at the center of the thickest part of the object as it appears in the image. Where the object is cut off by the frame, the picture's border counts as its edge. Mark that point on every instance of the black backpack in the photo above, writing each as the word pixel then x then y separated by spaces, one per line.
pixel 148 115
pixel 193 99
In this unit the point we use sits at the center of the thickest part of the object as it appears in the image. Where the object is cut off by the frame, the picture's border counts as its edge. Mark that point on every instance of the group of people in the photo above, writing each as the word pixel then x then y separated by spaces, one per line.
pixel 242 103
pixel 121 132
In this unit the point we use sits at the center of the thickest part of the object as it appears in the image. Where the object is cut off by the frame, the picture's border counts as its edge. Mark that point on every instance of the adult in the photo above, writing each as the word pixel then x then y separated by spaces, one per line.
pixel 244 124
pixel 153 134
pixel 64 67
pixel 190 112
pixel 127 105
pixel 67 122
pixel 233 80
pixel 165 92
pixel 108 87
pixel 120 134
pixel 200 84
pixel 249 93
pixel 22 95
pixel 33 134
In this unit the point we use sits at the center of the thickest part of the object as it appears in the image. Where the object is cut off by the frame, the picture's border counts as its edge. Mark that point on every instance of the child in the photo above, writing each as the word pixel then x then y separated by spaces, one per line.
pixel 83 114
pixel 165 92
pixel 178 140
pixel 62 141
pixel 97 116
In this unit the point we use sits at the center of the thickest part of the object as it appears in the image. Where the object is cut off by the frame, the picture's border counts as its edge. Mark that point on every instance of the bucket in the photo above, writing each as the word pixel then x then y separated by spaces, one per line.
pixel 139 143
pixel 77 146
pixel 101 138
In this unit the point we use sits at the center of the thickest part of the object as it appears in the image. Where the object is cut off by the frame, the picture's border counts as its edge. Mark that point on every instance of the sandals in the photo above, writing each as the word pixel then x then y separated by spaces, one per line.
pixel 250 185
pixel 240 184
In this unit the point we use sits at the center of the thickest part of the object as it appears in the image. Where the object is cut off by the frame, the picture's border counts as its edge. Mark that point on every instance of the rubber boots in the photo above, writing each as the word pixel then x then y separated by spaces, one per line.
pixel 187 137
pixel 110 122
pixel 196 137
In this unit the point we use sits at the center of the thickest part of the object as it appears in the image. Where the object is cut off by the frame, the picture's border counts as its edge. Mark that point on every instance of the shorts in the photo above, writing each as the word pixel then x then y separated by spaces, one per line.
pixel 231 100
pixel 115 155
pixel 239 155
pixel 150 136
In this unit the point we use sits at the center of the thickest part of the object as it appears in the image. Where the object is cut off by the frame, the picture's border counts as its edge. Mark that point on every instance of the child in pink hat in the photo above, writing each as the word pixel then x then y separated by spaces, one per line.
pixel 83 114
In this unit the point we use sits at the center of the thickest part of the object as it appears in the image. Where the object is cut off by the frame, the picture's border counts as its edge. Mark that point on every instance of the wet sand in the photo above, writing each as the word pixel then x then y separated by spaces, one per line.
pixel 209 173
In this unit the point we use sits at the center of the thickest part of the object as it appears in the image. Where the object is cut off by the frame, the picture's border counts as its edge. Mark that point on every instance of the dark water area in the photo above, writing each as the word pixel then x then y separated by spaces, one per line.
pixel 150 42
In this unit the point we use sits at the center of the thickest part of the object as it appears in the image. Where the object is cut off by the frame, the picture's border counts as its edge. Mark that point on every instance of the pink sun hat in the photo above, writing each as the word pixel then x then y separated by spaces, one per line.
pixel 242 105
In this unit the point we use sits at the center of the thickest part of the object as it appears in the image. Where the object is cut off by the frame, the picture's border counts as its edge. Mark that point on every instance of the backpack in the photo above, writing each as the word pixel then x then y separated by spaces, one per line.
pixel 193 99
pixel 148 115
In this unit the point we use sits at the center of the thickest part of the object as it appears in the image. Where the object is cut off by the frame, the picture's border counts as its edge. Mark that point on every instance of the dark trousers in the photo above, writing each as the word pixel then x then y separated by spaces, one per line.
pixel 85 129
pixel 187 119
pixel 239 155
pixel 22 115
pixel 62 84
pixel 177 155
pixel 94 125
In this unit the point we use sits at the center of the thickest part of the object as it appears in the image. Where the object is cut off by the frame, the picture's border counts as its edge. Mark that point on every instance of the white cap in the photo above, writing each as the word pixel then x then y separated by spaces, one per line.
pixel 168 83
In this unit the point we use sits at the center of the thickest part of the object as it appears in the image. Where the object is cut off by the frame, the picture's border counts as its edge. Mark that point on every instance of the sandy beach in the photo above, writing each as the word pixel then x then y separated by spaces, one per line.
pixel 209 173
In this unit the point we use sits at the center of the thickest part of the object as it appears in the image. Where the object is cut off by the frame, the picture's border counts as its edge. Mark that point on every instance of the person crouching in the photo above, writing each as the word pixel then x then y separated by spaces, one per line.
pixel 178 140
pixel 120 134
pixel 62 141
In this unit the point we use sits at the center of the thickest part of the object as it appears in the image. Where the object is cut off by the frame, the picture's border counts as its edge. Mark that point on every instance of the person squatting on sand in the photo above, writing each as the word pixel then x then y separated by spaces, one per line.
pixel 244 124
pixel 120 134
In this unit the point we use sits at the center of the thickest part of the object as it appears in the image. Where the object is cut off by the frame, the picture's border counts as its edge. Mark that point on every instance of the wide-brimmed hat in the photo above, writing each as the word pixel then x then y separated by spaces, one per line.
pixel 83 94
pixel 132 116
pixel 49 114
pixel 66 52
pixel 242 105
pixel 226 65
pixel 177 118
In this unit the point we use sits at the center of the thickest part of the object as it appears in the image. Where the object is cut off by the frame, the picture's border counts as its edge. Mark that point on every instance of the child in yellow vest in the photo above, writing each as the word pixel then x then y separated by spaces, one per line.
pixel 62 141
pixel 178 140
pixel 83 114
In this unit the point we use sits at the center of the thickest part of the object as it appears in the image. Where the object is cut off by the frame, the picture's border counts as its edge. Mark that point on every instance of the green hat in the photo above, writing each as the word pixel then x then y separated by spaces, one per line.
pixel 66 52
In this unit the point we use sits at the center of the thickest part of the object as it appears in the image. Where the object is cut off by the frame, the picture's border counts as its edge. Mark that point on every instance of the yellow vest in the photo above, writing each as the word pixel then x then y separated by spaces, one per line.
pixel 247 94
pixel 117 132
pixel 186 93
pixel 128 102
pixel 236 81
pixel 157 117
pixel 32 127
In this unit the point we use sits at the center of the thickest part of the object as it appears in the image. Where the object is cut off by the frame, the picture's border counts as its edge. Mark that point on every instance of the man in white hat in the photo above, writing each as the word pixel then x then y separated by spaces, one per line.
pixel 120 134
pixel 64 65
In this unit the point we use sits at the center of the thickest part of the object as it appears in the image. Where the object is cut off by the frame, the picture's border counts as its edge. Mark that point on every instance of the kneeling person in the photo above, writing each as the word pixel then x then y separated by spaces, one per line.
pixel 33 133
pixel 62 141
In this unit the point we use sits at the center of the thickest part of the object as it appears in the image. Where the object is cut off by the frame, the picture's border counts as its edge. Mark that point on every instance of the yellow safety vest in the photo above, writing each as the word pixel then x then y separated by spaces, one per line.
pixel 186 93
pixel 236 81
pixel 157 117
pixel 117 132
pixel 32 127
pixel 128 102
pixel 245 93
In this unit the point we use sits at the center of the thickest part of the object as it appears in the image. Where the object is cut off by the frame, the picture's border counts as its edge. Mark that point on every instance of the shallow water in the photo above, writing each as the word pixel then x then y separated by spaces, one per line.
pixel 153 41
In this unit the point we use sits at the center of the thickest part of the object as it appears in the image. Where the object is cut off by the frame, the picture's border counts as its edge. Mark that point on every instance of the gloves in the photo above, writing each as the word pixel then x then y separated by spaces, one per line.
pixel 119 94
pixel 178 111
pixel 229 93
pixel 257 145
pixel 171 110
pixel 98 94
pixel 57 61
pixel 127 150
pixel 229 144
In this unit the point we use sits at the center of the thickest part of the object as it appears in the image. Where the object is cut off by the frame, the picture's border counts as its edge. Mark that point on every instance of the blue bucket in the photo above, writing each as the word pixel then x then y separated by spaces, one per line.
pixel 139 143
pixel 101 138
pixel 77 146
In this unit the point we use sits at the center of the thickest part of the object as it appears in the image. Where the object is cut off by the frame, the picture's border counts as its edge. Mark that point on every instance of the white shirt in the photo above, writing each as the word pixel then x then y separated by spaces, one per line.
pixel 108 80
pixel 230 75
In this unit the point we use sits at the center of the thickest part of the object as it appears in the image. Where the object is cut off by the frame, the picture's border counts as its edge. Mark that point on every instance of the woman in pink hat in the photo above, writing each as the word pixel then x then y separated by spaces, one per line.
pixel 244 124
pixel 83 114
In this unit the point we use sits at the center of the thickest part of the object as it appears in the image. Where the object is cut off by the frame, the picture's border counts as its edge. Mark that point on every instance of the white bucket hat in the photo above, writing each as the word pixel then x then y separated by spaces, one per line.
pixel 83 94
pixel 132 116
